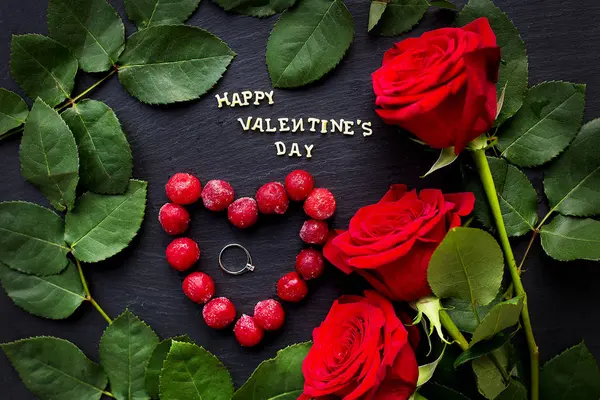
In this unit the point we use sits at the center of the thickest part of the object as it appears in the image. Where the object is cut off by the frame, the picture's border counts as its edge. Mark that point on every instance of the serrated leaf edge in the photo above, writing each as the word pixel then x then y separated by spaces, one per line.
pixel 308 343
pixel 232 54
pixel 129 152
pixel 326 73
pixel 526 165
pixel 407 29
pixel 49 38
pixel 62 205
pixel 140 28
pixel 136 232
pixel 2 345
pixel 83 298
pixel 96 40
pixel 220 365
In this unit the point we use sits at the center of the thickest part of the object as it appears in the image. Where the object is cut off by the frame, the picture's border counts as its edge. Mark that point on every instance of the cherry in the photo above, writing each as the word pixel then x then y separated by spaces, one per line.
pixel 299 184
pixel 247 332
pixel 182 253
pixel 243 212
pixel 314 232
pixel 272 199
pixel 183 188
pixel 292 288
pixel 198 287
pixel 320 204
pixel 269 314
pixel 217 195
pixel 173 218
pixel 310 263
pixel 219 313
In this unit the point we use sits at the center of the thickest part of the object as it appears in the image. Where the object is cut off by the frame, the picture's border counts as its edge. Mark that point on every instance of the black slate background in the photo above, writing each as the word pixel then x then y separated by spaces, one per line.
pixel 563 43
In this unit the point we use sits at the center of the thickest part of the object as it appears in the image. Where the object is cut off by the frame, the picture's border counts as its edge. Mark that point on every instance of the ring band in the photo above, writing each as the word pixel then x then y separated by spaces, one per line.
pixel 247 267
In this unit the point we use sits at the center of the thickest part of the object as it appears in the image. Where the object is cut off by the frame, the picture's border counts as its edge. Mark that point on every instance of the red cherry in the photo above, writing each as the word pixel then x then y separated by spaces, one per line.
pixel 182 253
pixel 174 218
pixel 247 332
pixel 198 287
pixel 272 199
pixel 292 288
pixel 299 184
pixel 314 232
pixel 219 313
pixel 217 195
pixel 243 212
pixel 183 188
pixel 269 314
pixel 320 204
pixel 310 263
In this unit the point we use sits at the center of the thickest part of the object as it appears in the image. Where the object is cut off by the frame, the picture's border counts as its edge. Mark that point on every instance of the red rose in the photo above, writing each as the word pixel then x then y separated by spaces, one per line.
pixel 442 85
pixel 390 243
pixel 361 351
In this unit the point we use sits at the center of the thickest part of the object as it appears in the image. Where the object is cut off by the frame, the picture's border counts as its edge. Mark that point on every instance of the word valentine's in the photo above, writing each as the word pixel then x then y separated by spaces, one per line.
pixel 283 125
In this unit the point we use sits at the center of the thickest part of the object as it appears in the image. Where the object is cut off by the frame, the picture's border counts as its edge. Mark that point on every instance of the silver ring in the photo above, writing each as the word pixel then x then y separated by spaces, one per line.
pixel 247 267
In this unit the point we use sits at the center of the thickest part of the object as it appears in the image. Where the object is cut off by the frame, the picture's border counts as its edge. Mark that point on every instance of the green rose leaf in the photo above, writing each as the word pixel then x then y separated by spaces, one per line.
pixel 572 182
pixel 517 197
pixel 155 364
pixel 104 152
pixel 145 13
pixel 573 374
pixel 54 296
pixel 256 8
pixel 53 368
pixel 102 225
pixel 483 348
pixel 43 67
pixel 500 317
pixel 192 373
pixel 469 265
pixel 13 110
pixel 91 29
pixel 401 16
pixel 490 381
pixel 568 238
pixel 549 119
pixel 514 391
pixel 172 63
pixel 447 157
pixel 49 158
pixel 287 365
pixel 32 239
pixel 297 51
pixel 462 314
pixel 125 349
pixel 513 68
pixel 376 10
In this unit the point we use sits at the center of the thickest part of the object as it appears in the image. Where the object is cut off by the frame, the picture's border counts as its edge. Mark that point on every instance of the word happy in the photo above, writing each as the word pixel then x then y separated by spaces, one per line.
pixel 289 125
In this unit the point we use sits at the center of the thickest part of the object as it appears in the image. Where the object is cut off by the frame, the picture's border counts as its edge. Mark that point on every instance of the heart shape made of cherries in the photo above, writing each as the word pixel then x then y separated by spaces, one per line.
pixel 271 198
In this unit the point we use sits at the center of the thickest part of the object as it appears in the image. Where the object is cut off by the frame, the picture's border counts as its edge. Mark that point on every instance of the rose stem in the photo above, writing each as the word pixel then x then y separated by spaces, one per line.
pixel 88 295
pixel 66 105
pixel 485 175
pixel 453 330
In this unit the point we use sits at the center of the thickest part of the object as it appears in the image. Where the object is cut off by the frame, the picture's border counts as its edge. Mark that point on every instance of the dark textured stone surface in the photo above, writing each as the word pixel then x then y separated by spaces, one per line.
pixel 563 43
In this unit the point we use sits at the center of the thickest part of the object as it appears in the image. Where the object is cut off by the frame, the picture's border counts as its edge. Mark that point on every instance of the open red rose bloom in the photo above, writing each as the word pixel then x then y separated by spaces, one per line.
pixel 362 351
pixel 390 243
pixel 441 86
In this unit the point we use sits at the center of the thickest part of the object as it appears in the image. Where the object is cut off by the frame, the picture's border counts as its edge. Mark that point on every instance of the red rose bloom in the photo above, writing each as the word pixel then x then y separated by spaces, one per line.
pixel 390 243
pixel 441 86
pixel 361 351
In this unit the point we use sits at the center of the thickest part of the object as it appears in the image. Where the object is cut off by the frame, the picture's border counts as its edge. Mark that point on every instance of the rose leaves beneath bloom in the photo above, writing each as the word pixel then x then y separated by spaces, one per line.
pixel 441 86
pixel 361 350
pixel 390 243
